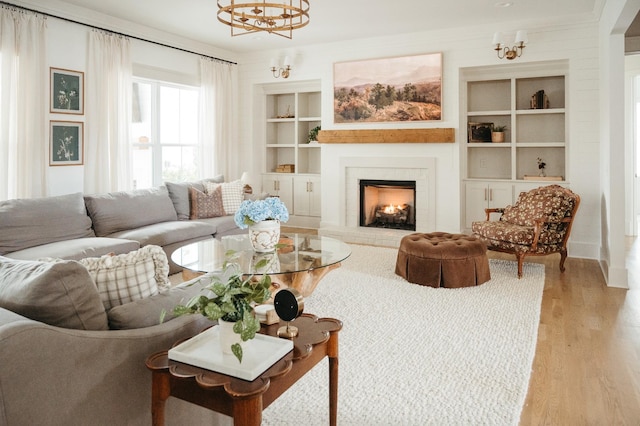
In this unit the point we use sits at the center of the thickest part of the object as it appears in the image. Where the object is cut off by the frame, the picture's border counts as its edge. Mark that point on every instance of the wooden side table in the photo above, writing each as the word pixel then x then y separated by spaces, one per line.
pixel 240 399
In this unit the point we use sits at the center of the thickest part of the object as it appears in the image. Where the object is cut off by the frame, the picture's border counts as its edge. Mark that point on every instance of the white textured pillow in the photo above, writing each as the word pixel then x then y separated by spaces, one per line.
pixel 128 277
pixel 232 194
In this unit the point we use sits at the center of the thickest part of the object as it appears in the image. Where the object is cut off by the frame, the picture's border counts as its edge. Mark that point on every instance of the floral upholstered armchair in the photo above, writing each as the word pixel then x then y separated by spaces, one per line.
pixel 539 223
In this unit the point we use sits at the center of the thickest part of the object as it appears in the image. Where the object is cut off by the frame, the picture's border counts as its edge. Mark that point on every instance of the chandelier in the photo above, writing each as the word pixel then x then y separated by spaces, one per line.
pixel 246 17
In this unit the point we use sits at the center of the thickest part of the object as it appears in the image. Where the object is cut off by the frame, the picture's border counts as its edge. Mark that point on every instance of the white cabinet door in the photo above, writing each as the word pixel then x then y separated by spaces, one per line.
pixel 279 186
pixel 482 195
pixel 314 197
pixel 306 196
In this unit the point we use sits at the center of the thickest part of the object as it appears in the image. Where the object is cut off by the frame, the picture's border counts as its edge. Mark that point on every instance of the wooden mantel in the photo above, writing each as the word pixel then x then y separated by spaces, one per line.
pixel 438 135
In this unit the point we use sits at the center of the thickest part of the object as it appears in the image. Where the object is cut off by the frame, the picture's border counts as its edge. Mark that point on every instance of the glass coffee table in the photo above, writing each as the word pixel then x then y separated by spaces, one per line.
pixel 301 261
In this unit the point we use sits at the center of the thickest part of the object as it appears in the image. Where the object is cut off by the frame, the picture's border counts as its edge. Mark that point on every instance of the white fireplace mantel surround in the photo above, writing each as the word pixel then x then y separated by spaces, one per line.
pixel 353 169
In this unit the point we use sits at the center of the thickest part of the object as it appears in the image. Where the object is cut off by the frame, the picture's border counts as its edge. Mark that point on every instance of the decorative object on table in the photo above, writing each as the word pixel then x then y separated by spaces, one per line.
pixel 313 134
pixel 539 100
pixel 67 91
pixel 229 297
pixel 266 314
pixel 66 143
pixel 497 133
pixel 541 166
pixel 479 132
pixel 263 218
pixel 203 350
pixel 289 305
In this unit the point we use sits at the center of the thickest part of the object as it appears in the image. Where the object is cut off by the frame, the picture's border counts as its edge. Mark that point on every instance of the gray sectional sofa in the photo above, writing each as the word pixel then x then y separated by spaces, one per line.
pixel 76 226
pixel 65 359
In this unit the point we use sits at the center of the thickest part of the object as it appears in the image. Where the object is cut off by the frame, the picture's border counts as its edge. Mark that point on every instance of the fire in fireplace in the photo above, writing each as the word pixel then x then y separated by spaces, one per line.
pixel 388 204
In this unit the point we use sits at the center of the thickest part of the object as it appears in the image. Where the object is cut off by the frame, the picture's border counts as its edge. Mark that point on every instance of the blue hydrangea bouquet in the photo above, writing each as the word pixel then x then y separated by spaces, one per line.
pixel 254 211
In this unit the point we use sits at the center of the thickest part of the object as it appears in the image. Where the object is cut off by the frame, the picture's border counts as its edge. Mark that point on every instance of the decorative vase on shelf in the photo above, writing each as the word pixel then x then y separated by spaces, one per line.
pixel 264 235
pixel 497 137
pixel 542 173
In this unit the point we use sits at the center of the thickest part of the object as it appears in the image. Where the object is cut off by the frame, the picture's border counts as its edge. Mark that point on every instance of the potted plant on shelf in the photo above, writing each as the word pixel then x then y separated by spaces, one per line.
pixel 497 133
pixel 263 218
pixel 313 134
pixel 229 299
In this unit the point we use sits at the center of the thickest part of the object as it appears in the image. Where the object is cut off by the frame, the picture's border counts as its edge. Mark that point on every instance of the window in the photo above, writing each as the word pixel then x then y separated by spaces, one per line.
pixel 164 133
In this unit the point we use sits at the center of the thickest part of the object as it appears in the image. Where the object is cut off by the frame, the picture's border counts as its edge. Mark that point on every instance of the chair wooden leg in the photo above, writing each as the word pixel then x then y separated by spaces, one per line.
pixel 520 262
pixel 563 257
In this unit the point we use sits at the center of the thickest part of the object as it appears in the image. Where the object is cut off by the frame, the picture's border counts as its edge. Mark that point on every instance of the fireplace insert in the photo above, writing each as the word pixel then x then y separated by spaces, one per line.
pixel 388 204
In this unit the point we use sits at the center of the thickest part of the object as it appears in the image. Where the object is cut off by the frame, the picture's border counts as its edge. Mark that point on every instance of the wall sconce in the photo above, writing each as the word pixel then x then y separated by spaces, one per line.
pixel 510 53
pixel 284 72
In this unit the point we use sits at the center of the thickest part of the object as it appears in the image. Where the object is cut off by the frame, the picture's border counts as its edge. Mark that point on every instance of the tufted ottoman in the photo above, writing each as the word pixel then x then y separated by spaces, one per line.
pixel 439 259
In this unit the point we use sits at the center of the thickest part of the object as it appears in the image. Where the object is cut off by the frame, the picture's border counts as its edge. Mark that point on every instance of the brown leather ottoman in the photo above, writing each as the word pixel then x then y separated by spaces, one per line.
pixel 439 259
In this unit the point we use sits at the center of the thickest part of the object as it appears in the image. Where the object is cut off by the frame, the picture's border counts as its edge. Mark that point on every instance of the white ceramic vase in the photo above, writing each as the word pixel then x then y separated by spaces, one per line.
pixel 264 235
pixel 227 337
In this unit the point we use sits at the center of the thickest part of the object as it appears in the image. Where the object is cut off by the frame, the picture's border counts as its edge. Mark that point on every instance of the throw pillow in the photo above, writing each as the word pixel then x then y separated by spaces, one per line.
pixel 179 194
pixel 147 312
pixel 206 205
pixel 232 196
pixel 58 293
pixel 127 277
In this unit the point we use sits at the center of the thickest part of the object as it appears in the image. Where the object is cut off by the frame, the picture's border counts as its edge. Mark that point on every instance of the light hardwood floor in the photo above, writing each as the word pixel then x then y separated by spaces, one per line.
pixel 586 370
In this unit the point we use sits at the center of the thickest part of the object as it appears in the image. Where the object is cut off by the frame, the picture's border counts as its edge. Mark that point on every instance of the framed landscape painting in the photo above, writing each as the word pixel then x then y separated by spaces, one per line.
pixel 407 88
pixel 67 91
pixel 66 146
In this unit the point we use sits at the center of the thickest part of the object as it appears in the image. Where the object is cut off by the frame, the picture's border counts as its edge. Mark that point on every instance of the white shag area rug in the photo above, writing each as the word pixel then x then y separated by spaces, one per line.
pixel 414 355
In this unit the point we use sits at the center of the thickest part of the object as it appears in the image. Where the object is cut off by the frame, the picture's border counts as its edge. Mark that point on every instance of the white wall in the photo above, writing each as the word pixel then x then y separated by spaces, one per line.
pixel 461 49
pixel 471 47
pixel 67 46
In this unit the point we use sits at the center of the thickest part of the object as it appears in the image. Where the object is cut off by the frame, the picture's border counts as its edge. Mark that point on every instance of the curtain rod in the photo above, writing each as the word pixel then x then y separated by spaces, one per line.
pixel 116 33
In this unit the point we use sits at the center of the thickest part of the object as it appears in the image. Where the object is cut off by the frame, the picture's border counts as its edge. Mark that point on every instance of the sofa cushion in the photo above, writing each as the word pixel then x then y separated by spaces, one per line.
pixel 224 225
pixel 232 196
pixel 161 234
pixel 205 205
pixel 58 293
pixel 37 221
pixel 179 194
pixel 127 277
pixel 147 312
pixel 77 249
pixel 118 211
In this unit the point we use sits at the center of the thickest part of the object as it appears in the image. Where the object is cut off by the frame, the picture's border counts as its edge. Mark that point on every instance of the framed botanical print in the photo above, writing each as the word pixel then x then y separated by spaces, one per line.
pixel 66 145
pixel 67 91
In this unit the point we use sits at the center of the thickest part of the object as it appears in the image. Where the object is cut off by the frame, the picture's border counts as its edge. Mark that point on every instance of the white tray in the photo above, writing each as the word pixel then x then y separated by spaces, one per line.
pixel 260 353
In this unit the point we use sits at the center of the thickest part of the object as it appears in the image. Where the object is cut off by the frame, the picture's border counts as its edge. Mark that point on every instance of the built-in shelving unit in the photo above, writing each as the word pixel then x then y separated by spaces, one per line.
pixel 292 162
pixel 495 173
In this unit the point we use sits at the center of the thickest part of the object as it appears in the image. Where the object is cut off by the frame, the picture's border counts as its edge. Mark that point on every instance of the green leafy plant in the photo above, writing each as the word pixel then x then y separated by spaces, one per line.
pixel 230 297
pixel 495 128
pixel 313 134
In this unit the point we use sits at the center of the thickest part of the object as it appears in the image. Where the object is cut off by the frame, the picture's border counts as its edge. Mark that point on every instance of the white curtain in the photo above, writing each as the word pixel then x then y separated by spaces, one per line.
pixel 220 148
pixel 23 104
pixel 107 147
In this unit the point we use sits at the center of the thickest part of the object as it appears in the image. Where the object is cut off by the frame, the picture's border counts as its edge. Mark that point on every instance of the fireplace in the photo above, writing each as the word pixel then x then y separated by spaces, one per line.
pixel 388 204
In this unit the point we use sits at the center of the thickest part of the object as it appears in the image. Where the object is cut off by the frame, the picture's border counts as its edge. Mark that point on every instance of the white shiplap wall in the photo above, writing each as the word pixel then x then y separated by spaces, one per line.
pixel 578 44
